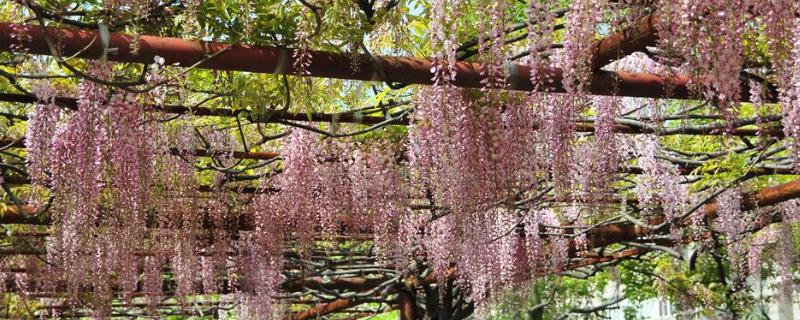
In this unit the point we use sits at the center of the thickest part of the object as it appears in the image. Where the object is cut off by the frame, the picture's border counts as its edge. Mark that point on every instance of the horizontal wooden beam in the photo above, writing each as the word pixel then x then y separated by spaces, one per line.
pixel 257 116
pixel 324 309
pixel 254 155
pixel 580 126
pixel 619 232
pixel 635 37
pixel 222 56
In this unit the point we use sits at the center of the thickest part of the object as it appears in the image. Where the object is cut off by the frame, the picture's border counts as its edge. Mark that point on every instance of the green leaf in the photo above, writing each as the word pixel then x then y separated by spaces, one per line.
pixel 379 97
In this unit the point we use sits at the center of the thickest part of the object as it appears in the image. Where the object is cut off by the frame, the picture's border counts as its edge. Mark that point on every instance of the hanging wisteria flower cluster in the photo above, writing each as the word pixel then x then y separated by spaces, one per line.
pixel 496 186
pixel 716 62
pixel 100 170
pixel 464 151
pixel 41 128
pixel 332 185
pixel 790 96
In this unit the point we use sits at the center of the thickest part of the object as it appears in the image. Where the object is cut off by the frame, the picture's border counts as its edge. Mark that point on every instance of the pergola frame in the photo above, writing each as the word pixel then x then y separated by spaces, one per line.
pixel 221 56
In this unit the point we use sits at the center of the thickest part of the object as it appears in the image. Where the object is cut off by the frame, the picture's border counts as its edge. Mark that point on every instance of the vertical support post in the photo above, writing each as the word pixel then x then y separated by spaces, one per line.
pixel 407 304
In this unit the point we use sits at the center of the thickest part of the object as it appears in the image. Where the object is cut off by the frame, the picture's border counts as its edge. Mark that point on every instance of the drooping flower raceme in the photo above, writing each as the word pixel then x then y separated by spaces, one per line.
pixel 41 127
pixel 714 61
pixel 790 98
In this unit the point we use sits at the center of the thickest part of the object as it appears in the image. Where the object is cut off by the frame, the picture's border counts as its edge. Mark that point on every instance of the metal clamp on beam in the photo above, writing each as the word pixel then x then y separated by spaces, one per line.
pixel 105 40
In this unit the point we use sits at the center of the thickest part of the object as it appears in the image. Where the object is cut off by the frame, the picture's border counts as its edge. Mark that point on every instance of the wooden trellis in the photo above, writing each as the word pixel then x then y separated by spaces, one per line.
pixel 405 70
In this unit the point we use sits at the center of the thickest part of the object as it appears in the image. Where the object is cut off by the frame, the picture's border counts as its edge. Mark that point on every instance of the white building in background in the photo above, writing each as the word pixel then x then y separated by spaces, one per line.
pixel 663 309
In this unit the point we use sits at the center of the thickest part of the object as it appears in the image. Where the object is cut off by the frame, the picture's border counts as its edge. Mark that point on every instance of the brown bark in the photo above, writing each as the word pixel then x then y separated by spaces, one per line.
pixel 72 103
pixel 614 233
pixel 222 56
pixel 407 302
pixel 323 309
pixel 635 37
